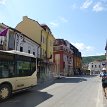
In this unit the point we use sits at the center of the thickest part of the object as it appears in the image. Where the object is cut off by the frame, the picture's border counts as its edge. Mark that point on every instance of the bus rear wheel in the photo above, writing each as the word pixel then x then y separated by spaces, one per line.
pixel 5 91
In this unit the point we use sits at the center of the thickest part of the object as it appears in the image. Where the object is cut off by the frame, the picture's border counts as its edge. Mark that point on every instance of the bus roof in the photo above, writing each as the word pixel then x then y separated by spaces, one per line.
pixel 18 53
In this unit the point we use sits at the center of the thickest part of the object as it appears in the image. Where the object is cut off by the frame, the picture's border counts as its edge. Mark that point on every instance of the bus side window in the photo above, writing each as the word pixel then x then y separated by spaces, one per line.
pixel 33 67
pixel 5 72
pixel 0 71
pixel 11 71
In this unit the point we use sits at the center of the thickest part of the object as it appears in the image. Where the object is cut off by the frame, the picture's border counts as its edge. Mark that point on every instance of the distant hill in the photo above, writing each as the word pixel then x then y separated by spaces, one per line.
pixel 86 60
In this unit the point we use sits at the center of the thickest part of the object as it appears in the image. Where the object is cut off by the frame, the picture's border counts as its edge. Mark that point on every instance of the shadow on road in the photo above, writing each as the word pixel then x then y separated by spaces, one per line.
pixel 33 97
pixel 85 75
pixel 28 98
pixel 70 80
pixel 61 80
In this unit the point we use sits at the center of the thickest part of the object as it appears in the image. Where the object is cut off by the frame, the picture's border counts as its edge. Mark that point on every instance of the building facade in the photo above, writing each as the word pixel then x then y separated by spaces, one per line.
pixel 77 60
pixel 41 34
pixel 95 67
pixel 63 57
pixel 15 40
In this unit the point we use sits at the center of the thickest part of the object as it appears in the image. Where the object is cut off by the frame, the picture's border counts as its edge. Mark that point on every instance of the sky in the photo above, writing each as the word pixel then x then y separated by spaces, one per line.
pixel 82 22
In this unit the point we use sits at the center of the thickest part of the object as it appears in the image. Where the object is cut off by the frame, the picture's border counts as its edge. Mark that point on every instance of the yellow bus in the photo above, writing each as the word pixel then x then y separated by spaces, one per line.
pixel 18 71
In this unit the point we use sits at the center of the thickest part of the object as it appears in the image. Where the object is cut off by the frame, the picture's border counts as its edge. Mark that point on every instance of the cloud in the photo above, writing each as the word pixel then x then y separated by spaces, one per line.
pixel 99 53
pixel 54 24
pixel 86 50
pixel 58 21
pixel 98 7
pixel 63 19
pixel 3 2
pixel 83 47
pixel 86 4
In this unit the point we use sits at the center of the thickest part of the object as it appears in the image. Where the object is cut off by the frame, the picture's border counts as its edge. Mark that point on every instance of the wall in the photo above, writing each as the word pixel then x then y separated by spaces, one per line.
pixel 31 28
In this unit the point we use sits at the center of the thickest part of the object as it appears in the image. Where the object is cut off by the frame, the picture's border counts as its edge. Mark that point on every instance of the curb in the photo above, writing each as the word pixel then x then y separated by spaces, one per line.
pixel 100 97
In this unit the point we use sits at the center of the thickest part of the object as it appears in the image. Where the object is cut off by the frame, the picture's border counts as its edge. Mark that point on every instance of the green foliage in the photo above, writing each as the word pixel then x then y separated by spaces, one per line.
pixel 86 60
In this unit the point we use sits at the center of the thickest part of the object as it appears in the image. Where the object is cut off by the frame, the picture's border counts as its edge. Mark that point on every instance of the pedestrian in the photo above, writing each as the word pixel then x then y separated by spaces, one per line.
pixel 104 81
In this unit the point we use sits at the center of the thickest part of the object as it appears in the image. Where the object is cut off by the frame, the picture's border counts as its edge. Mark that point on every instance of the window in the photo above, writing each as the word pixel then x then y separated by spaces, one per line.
pixel 26 68
pixel 6 65
pixel 28 51
pixel 66 50
pixel 21 49
pixel 1 40
pixel 11 41
pixel 61 47
pixel 43 39
pixel 33 66
pixel 7 69
pixel 53 48
pixel 99 66
pixel 16 65
pixel 23 68
pixel 50 43
pixel 42 51
pixel 33 53
pixel 57 48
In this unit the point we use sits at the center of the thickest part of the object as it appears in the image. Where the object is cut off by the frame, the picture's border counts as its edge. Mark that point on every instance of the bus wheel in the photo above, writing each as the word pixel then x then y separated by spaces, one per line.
pixel 5 91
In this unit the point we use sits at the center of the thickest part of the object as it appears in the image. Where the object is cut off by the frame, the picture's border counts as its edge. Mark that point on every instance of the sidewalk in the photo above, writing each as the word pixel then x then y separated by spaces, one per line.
pixel 101 98
pixel 104 101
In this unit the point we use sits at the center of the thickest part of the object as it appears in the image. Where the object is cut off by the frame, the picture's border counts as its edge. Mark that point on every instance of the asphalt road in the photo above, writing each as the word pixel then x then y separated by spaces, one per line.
pixel 85 91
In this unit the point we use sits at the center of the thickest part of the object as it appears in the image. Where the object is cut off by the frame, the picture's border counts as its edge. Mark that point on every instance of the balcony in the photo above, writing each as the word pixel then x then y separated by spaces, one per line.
pixel 57 48
pixel 63 48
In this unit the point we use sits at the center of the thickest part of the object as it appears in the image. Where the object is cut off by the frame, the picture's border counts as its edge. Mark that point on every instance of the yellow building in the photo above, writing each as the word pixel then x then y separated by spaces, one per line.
pixel 43 36
pixel 79 62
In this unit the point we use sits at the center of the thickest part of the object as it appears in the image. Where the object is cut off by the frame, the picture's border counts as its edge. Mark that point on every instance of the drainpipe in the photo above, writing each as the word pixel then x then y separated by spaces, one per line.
pixel 47 45
pixel 46 52
pixel 41 43
pixel 37 57
pixel 40 53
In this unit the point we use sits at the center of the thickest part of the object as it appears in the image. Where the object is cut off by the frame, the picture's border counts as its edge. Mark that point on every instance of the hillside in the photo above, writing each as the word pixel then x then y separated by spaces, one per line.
pixel 86 60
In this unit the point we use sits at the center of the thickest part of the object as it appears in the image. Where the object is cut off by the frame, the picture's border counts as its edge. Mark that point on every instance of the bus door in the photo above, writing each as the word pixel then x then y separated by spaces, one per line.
pixel 23 69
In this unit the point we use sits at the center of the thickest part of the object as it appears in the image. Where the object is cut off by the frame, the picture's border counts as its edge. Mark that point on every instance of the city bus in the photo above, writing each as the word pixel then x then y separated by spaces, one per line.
pixel 18 71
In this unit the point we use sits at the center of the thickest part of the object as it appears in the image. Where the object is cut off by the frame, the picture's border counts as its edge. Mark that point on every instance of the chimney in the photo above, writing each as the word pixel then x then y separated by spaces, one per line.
pixel 25 17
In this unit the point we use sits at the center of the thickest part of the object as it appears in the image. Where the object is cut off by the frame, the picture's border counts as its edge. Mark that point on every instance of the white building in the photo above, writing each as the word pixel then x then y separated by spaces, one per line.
pixel 95 67
pixel 15 40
